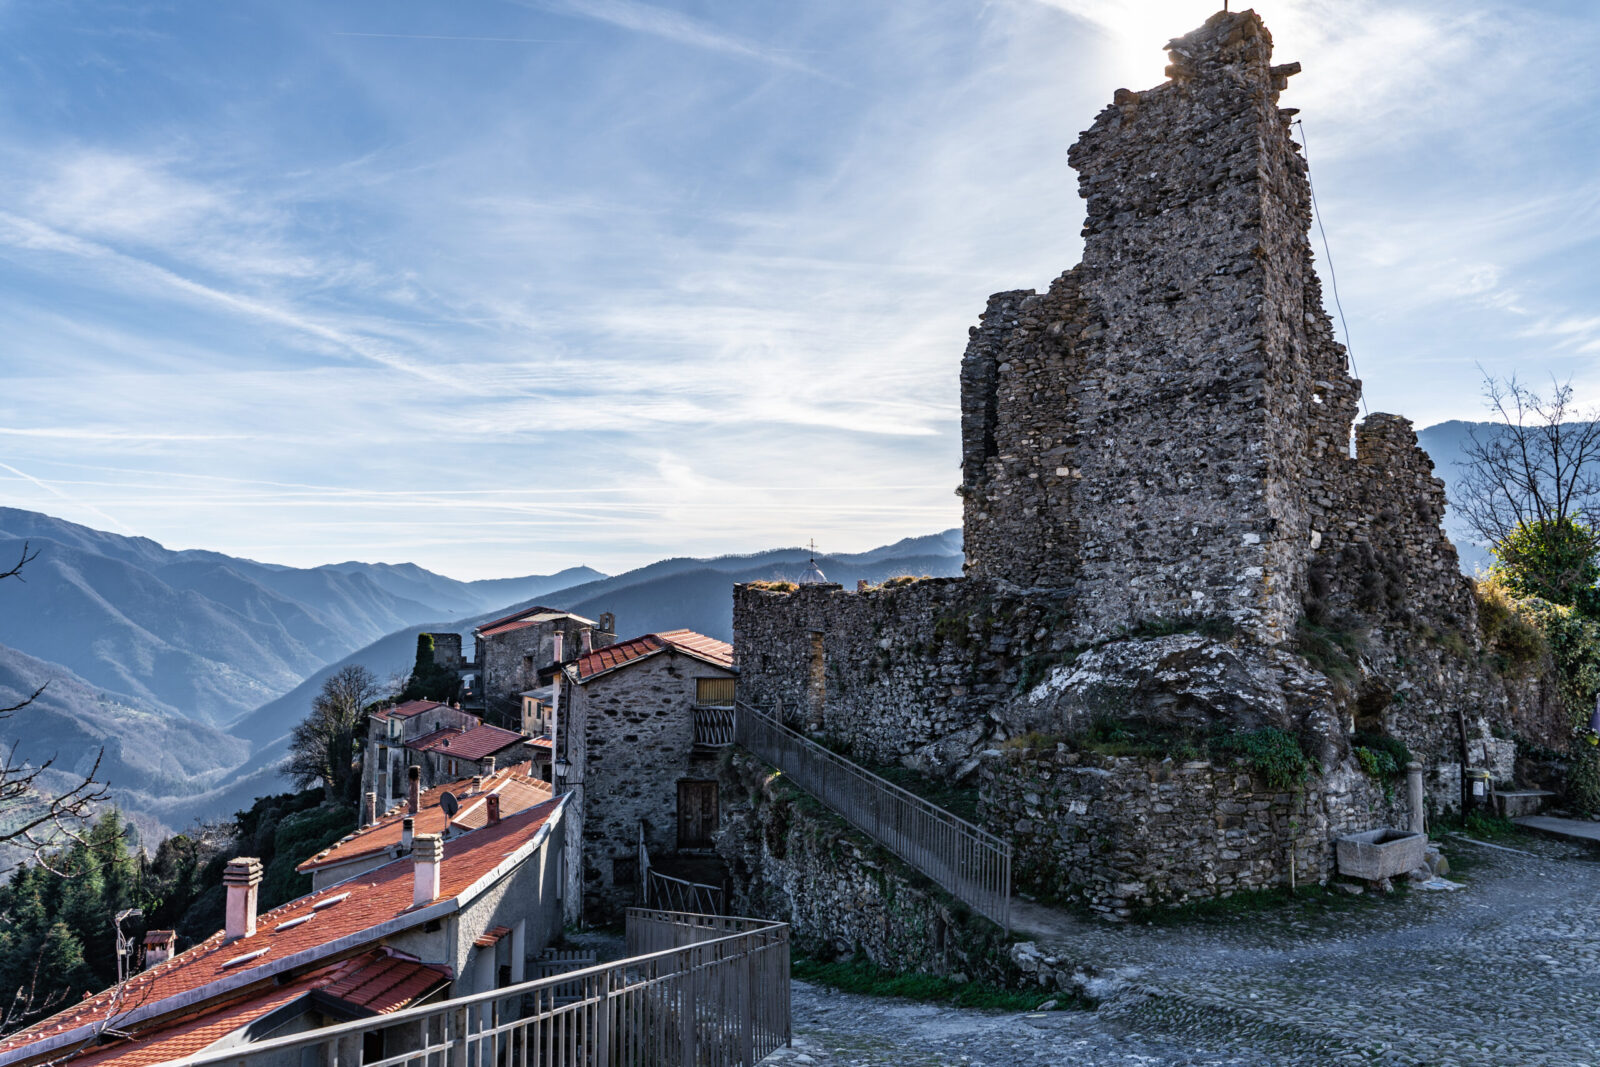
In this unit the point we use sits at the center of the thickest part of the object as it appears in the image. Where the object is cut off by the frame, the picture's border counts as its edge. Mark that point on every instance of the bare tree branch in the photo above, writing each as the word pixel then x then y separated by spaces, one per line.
pixel 1540 464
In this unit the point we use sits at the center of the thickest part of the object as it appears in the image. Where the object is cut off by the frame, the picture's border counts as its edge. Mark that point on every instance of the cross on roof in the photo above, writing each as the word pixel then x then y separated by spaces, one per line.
pixel 812 545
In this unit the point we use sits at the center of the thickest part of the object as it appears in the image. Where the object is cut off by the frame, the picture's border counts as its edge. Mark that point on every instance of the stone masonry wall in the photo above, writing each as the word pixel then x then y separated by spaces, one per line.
pixel 510 663
pixel 632 741
pixel 1143 430
pixel 1120 833
pixel 841 894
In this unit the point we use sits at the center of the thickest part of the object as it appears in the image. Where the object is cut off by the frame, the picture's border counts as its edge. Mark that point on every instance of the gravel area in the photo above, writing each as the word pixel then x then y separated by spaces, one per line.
pixel 1504 971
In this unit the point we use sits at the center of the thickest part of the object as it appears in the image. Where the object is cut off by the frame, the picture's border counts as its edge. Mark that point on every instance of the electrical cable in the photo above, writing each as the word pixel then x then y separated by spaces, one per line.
pixel 1333 276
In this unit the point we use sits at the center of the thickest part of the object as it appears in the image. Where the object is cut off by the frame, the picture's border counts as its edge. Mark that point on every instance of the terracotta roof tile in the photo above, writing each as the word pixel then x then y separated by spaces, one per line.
pixel 382 981
pixel 709 649
pixel 372 899
pixel 476 743
pixel 517 790
pixel 408 709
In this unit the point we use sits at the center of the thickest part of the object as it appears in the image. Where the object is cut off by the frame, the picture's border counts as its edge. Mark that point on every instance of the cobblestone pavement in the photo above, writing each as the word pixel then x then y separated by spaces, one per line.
pixel 1505 971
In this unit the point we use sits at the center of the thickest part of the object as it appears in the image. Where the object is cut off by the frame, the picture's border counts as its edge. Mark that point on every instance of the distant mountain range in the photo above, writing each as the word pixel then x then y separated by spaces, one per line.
pixel 191 667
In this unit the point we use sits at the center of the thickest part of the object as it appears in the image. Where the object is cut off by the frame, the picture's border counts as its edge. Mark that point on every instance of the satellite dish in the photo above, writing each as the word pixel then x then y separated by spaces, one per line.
pixel 449 803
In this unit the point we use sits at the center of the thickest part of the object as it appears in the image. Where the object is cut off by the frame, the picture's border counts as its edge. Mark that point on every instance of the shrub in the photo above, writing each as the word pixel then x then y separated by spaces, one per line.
pixel 1270 752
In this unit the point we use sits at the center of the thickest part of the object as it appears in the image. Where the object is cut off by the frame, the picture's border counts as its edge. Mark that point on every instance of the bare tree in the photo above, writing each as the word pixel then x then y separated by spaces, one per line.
pixel 322 748
pixel 34 818
pixel 1538 468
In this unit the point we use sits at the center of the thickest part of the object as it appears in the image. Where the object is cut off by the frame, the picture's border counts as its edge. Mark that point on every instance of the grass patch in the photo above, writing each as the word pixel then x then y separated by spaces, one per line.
pixel 1335 652
pixel 959 800
pixel 772 586
pixel 860 975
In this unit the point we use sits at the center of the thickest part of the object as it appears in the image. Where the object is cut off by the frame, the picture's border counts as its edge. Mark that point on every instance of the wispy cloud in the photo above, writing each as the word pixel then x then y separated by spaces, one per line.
pixel 676 27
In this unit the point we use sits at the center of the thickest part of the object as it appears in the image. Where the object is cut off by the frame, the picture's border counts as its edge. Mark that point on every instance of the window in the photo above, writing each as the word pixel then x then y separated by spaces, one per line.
pixel 624 870
pixel 714 692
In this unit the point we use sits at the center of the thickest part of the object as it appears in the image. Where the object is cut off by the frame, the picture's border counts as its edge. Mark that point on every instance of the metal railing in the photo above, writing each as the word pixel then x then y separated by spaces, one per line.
pixel 713 726
pixel 716 994
pixel 971 864
pixel 664 892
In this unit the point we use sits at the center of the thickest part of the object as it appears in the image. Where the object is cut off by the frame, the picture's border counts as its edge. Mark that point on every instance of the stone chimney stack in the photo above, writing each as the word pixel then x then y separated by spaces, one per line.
pixel 493 806
pixel 588 640
pixel 426 859
pixel 158 946
pixel 477 783
pixel 407 826
pixel 369 809
pixel 241 876
pixel 413 788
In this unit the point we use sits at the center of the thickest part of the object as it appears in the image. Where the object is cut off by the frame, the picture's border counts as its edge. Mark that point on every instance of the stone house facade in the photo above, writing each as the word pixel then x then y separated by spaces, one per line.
pixel 641 724
pixel 510 654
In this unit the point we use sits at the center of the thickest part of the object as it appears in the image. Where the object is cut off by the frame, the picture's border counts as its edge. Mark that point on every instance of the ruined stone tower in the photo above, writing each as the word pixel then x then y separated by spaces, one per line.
pixel 1148 436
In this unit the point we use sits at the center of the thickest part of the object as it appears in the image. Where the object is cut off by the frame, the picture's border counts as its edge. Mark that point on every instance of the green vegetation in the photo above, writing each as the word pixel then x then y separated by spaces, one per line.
pixel 1557 560
pixel 1514 642
pixel 1269 752
pixel 1214 626
pixel 772 586
pixel 959 800
pixel 1272 753
pixel 860 975
pixel 1333 651
pixel 429 680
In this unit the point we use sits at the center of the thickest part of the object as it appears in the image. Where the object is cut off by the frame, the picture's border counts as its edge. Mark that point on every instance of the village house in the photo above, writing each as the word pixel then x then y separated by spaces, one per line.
pixel 387 835
pixel 454 916
pixel 446 742
pixel 639 727
pixel 511 654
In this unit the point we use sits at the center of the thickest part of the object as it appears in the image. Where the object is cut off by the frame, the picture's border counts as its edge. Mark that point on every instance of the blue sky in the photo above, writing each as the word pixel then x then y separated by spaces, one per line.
pixel 501 287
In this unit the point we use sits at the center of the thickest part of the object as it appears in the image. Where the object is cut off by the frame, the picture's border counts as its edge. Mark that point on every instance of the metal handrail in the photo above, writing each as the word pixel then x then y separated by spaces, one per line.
pixel 969 862
pixel 718 994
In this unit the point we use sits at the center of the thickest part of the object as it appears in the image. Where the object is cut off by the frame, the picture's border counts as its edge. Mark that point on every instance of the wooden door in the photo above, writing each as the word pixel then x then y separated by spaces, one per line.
pixel 697 813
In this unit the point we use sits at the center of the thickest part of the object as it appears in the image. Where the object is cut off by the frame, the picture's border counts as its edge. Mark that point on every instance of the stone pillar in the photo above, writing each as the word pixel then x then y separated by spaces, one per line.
pixel 1414 797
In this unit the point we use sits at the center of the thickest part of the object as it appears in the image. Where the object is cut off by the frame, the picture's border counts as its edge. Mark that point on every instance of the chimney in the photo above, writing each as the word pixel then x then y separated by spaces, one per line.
pixel 477 783
pixel 588 640
pixel 413 788
pixel 369 809
pixel 158 946
pixel 557 641
pixel 241 876
pixel 493 803
pixel 407 825
pixel 426 859
pixel 488 767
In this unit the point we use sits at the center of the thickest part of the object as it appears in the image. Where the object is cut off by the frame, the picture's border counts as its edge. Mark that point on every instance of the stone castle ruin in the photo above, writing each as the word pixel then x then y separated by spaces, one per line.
pixel 1174 529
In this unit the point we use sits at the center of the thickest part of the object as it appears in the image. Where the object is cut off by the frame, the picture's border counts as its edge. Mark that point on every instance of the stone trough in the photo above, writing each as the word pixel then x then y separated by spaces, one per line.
pixel 1381 853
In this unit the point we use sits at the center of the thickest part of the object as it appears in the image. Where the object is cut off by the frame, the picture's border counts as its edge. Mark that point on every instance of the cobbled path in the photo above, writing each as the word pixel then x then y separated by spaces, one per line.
pixel 1505 971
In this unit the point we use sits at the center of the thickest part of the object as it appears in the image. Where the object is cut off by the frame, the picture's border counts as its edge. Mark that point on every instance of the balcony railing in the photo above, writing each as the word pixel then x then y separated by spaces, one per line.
pixel 702 991
pixel 713 726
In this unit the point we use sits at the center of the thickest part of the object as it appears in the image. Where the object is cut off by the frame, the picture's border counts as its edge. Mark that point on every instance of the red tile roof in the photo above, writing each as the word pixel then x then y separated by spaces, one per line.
pixel 517 791
pixel 476 743
pixel 408 709
pixel 709 649
pixel 371 905
pixel 491 935
pixel 381 981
